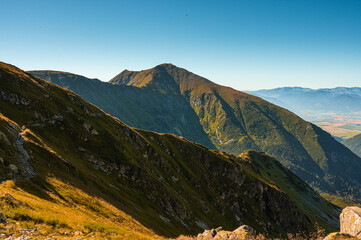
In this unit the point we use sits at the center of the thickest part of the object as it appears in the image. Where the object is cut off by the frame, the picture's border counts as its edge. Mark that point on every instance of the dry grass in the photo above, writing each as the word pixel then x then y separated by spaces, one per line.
pixel 70 213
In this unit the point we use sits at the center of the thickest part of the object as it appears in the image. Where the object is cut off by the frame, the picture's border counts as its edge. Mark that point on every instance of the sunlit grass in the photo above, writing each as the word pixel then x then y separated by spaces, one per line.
pixel 70 213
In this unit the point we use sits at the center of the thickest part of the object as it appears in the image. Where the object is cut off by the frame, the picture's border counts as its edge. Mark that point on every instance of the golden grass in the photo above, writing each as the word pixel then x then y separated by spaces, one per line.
pixel 70 213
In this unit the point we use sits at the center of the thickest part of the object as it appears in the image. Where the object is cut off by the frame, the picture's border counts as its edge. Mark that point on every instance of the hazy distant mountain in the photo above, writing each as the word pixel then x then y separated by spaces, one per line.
pixel 303 101
pixel 76 168
pixel 354 144
pixel 232 120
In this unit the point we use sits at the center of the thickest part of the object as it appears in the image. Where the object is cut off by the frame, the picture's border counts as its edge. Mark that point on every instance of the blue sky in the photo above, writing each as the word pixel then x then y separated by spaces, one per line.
pixel 247 45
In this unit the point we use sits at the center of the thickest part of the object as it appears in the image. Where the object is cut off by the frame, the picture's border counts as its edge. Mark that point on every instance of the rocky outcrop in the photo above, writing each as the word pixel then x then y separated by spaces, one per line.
pixel 244 232
pixel 14 98
pixel 350 225
pixel 350 221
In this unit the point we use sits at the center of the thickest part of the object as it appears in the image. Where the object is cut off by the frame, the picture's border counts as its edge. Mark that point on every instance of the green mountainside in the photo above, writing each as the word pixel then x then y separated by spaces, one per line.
pixel 354 144
pixel 233 122
pixel 59 150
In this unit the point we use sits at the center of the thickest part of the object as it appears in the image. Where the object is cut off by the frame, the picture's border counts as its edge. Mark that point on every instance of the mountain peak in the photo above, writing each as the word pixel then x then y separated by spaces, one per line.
pixel 166 65
pixel 163 77
pixel 166 78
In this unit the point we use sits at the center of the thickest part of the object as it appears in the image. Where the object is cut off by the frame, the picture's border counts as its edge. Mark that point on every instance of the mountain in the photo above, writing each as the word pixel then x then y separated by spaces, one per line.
pixel 354 144
pixel 140 108
pixel 233 122
pixel 306 101
pixel 65 164
pixel 326 99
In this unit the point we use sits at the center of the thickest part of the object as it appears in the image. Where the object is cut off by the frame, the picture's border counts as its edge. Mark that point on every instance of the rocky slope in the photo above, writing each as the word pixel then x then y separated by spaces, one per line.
pixel 354 144
pixel 168 184
pixel 233 121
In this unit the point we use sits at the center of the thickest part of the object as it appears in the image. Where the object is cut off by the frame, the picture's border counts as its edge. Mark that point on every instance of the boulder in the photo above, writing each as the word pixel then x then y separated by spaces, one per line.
pixel 244 229
pixel 350 221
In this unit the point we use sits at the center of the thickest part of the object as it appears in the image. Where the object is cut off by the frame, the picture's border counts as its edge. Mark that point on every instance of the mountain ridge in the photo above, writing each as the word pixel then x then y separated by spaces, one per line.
pixel 340 99
pixel 235 121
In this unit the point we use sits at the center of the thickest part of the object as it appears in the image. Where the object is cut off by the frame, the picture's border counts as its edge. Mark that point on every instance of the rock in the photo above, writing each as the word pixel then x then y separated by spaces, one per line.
pixel 339 236
pixel 244 228
pixel 13 168
pixel 14 98
pixel 90 129
pixel 350 221
pixel 244 232
pixel 78 233
pixel 2 219
pixel 213 232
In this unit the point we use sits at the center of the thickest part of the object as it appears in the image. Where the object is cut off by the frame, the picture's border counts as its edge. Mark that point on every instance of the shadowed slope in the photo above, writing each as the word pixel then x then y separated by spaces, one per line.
pixel 354 144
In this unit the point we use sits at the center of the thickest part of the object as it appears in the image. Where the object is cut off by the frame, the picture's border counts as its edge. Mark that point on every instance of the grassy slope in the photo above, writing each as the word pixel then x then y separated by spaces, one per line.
pixel 165 182
pixel 236 121
pixel 354 144
pixel 68 213
pixel 53 205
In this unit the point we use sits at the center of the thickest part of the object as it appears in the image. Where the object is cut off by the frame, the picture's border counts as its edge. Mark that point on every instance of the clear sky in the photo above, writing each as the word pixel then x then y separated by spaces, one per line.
pixel 247 45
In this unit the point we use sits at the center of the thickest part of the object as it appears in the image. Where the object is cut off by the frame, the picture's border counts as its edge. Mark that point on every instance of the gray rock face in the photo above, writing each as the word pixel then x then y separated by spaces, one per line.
pixel 350 221
pixel 14 98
